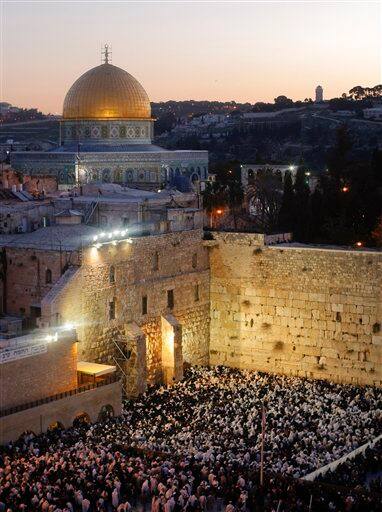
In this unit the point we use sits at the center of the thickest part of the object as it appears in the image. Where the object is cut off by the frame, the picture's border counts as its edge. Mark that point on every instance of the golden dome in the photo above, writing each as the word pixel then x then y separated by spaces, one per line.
pixel 106 92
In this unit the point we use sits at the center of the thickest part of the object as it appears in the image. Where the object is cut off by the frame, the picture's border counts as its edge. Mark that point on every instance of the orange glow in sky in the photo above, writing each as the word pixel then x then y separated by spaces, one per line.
pixel 243 51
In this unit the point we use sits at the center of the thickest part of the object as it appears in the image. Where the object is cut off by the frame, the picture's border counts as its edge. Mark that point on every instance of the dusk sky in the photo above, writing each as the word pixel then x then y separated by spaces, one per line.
pixel 243 51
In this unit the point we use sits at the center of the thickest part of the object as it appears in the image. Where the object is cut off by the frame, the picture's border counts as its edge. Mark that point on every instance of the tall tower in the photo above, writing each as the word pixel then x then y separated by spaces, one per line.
pixel 319 94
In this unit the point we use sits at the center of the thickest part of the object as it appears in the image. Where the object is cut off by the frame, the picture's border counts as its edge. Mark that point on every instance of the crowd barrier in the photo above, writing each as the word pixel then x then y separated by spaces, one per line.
pixel 333 465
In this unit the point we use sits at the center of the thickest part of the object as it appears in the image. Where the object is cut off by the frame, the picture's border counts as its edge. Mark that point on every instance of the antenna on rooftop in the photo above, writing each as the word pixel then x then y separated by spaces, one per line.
pixel 106 54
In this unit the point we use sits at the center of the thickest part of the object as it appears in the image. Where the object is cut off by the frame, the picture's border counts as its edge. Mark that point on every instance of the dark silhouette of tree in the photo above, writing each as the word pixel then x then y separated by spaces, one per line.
pixel 286 215
pixel 377 233
pixel 283 101
pixel 265 199
pixel 302 211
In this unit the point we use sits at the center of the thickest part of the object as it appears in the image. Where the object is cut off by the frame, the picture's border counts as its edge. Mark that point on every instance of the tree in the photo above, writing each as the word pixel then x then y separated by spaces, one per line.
pixel 214 196
pixel 286 214
pixel 357 92
pixel 377 233
pixel 302 210
pixel 235 198
pixel 265 198
pixel 283 101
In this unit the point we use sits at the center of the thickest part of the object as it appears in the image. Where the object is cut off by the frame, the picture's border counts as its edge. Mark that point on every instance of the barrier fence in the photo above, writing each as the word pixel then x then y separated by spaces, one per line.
pixel 333 465
pixel 58 396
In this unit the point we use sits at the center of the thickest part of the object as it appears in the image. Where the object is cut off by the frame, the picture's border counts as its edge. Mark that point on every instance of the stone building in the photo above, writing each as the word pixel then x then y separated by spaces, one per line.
pixel 106 136
pixel 41 387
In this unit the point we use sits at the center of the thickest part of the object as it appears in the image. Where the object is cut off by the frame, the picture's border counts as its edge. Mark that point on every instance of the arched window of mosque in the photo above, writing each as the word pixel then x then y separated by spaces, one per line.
pixel 112 275
pixel 106 175
pixel 104 132
pixel 122 131
pixel 177 172
pixel 198 170
pixel 171 173
pixel 48 276
pixel 117 176
pixel 194 178
pixel 205 172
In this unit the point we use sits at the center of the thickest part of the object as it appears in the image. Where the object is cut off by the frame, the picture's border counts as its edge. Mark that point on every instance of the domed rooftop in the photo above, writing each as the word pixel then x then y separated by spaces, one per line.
pixel 106 92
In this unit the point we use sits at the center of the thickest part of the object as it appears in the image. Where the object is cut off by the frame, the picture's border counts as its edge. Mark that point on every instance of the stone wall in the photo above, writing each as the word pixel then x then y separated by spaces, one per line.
pixel 125 273
pixel 38 419
pixel 26 276
pixel 304 311
pixel 32 378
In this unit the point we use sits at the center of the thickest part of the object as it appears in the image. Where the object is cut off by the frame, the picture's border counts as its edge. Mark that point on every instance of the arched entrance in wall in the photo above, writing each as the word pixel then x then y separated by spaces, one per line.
pixel 56 425
pixel 194 178
pixel 106 412
pixel 106 176
pixel 81 419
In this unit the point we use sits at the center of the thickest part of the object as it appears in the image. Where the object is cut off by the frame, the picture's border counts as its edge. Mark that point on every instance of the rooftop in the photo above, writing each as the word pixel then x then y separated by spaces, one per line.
pixel 52 238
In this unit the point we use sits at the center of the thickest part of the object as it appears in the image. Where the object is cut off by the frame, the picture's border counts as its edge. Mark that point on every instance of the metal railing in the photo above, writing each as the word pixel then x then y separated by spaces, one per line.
pixel 58 396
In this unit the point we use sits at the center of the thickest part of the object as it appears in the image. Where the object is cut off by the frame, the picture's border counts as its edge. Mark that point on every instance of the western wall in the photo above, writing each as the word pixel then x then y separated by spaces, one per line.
pixel 297 310
pixel 125 274
pixel 291 309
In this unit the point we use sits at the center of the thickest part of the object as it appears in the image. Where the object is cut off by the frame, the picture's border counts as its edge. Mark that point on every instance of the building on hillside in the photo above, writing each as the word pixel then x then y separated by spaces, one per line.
pixel 374 114
pixel 249 171
pixel 319 96
pixel 106 136
pixel 43 386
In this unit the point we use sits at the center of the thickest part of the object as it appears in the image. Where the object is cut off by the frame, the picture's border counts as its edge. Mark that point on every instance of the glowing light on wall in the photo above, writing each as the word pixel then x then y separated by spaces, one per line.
pixel 113 237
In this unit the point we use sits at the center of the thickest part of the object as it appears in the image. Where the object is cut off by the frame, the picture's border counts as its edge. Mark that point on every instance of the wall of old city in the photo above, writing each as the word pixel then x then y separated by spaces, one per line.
pixel 124 277
pixel 30 274
pixel 39 376
pixel 303 311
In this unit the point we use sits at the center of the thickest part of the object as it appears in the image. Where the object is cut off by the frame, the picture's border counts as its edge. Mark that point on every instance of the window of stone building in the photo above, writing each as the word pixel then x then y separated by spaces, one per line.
pixel 196 293
pixel 112 275
pixel 155 261
pixel 125 221
pixel 48 276
pixel 170 299
pixel 144 305
pixel 112 310
pixel 194 260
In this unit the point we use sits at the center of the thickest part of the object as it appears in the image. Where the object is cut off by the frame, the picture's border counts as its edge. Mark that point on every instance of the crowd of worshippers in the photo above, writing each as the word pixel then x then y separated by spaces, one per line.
pixel 364 470
pixel 196 447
